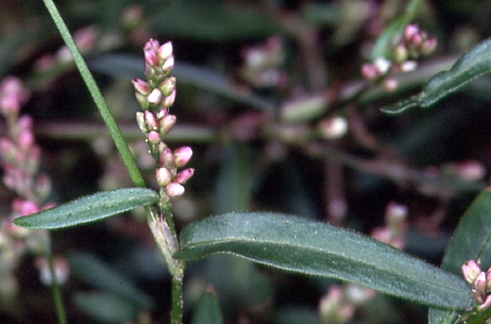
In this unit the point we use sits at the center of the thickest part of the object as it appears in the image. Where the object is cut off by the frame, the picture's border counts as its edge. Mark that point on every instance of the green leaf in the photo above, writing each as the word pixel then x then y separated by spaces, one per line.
pixel 469 66
pixel 234 182
pixel 316 249
pixel 207 310
pixel 105 307
pixel 91 208
pixel 471 240
pixel 212 21
pixel 93 271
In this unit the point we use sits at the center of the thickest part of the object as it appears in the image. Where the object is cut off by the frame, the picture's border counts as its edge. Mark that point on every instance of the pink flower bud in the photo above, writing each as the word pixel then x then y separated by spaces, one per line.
pixel 429 46
pixel 166 124
pixel 184 175
pixel 167 86
pixel 42 186
pixel 142 101
pixel 162 113
pixel 150 121
pixel 409 32
pixel 470 270
pixel 150 52
pixel 155 97
pixel 166 158
pixel 25 207
pixel 141 86
pixel 165 51
pixel 182 156
pixel 390 84
pixel 140 120
pixel 369 72
pixel 25 140
pixel 169 100
pixel 163 176
pixel 333 128
pixel 168 65
pixel 61 270
pixel 479 288
pixel 174 189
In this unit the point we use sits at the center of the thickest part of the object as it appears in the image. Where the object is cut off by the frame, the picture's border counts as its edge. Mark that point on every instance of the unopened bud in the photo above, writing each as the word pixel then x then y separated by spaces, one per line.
pixel 61 270
pixel 409 32
pixel 166 124
pixel 163 176
pixel 165 51
pixel 369 72
pixel 150 121
pixel 167 86
pixel 140 120
pixel 409 66
pixel 141 86
pixel 382 65
pixel 429 46
pixel 400 54
pixel 166 158
pixel 333 128
pixel 174 189
pixel 168 65
pixel 182 156
pixel 184 175
pixel 155 97
pixel 169 100
pixel 479 288
pixel 390 84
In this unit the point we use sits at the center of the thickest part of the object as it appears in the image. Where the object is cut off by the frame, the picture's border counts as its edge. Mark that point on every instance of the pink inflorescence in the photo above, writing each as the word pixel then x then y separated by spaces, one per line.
pixel 156 96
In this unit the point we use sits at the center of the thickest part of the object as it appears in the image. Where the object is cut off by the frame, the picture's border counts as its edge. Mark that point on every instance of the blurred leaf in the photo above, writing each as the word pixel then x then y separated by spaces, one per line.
pixel 91 208
pixel 94 272
pixel 390 36
pixel 471 240
pixel 212 21
pixel 105 307
pixel 128 66
pixel 207 311
pixel 469 66
pixel 238 282
pixel 233 184
pixel 295 315
pixel 316 249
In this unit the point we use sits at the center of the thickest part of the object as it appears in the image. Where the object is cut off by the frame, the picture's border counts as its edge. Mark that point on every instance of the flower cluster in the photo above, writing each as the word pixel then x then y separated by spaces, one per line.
pixel 155 97
pixel 20 159
pixel 414 44
pixel 480 282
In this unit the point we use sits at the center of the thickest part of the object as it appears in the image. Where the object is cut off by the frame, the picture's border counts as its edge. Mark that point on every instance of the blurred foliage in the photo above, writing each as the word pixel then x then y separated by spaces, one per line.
pixel 231 103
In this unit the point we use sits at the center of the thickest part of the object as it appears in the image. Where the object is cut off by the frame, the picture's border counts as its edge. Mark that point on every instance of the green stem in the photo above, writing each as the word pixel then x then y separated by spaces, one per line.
pixel 106 115
pixel 55 287
pixel 177 302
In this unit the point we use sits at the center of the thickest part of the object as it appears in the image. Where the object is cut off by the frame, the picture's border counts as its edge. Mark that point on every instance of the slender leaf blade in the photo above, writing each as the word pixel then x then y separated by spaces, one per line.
pixel 311 248
pixel 469 66
pixel 471 240
pixel 90 208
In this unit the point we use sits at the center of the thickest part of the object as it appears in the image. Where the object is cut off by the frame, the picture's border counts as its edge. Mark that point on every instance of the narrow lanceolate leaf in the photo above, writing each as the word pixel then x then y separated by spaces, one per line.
pixel 471 65
pixel 89 208
pixel 471 240
pixel 311 248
